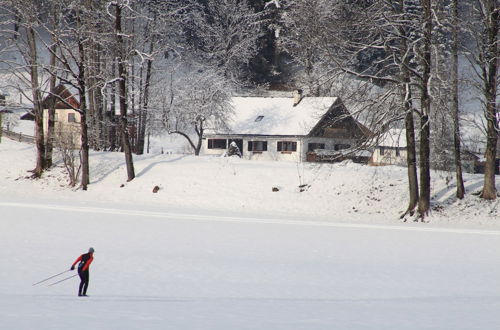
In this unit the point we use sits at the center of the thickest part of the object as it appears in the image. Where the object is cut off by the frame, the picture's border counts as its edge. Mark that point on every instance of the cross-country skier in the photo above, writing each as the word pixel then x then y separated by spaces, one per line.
pixel 83 271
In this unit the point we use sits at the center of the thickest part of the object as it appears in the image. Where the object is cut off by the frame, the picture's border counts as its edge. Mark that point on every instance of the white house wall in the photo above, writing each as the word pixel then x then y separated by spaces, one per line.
pixel 62 126
pixel 272 152
pixel 389 157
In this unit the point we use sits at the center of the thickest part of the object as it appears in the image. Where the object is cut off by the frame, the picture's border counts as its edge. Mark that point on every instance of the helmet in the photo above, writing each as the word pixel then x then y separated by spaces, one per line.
pixel 91 250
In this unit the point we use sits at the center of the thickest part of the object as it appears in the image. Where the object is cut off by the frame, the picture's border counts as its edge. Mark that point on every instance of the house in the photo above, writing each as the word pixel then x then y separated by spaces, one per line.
pixel 67 119
pixel 284 128
pixel 480 161
pixel 390 148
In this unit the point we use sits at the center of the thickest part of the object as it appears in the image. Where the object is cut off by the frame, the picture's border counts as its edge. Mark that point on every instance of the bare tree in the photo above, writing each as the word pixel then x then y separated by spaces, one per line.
pixel 300 34
pixel 455 27
pixel 24 39
pixel 425 58
pixel 197 99
pixel 71 36
pixel 484 30
pixel 156 31
pixel 224 33
pixel 66 143
pixel 372 41
pixel 122 88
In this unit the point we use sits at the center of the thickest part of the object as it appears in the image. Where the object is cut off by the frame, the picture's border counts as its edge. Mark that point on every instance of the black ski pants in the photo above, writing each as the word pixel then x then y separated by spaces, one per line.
pixel 84 282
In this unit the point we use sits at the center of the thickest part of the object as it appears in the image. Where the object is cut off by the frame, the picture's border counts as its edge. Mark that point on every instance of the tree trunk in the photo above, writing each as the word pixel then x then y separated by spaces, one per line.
pixel 83 114
pixel 454 104
pixel 37 103
pixel 52 104
pixel 122 87
pixel 425 177
pixel 490 77
pixel 199 131
pixel 84 150
pixel 50 127
pixel 411 154
pixel 191 143
pixel 99 102
pixel 111 119
pixel 141 134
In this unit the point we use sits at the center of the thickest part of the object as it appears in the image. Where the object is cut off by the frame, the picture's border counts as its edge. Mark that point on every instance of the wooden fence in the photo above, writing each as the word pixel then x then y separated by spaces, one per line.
pixel 18 136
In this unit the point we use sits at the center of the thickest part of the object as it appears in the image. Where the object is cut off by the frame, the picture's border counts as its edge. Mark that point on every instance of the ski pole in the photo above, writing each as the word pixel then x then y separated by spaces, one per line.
pixel 64 279
pixel 48 278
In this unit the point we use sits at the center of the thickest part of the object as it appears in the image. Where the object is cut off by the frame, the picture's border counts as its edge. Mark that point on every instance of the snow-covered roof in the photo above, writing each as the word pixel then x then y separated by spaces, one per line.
pixel 277 115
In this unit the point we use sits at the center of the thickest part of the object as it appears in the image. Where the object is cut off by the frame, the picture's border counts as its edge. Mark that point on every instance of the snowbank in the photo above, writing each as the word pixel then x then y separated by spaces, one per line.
pixel 343 192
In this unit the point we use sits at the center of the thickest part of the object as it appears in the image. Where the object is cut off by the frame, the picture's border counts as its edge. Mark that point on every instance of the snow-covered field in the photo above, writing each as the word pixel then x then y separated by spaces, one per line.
pixel 215 248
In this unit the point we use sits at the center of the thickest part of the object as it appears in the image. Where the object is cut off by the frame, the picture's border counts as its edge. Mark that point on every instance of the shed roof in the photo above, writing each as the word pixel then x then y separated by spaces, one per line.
pixel 63 93
pixel 277 115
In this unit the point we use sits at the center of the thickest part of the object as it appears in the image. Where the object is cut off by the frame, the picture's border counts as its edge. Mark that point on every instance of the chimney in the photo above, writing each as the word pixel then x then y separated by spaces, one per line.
pixel 297 96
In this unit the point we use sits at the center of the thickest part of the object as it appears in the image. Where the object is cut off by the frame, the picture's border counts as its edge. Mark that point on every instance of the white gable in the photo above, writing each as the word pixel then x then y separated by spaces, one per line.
pixel 394 137
pixel 277 115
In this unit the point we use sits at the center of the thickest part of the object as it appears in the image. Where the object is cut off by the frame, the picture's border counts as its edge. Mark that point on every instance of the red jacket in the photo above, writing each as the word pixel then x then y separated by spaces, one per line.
pixel 85 259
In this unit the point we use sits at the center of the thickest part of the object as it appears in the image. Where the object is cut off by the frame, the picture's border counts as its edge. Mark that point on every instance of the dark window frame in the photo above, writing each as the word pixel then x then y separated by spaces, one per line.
pixel 72 117
pixel 216 144
pixel 311 146
pixel 287 146
pixel 257 146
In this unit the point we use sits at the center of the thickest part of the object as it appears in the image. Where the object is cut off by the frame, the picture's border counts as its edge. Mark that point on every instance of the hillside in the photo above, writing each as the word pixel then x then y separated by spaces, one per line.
pixel 344 192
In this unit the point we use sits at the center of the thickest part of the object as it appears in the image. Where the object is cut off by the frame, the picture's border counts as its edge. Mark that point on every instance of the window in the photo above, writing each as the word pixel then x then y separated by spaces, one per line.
pixel 287 146
pixel 341 146
pixel 257 146
pixel 259 118
pixel 382 151
pixel 398 152
pixel 314 146
pixel 217 143
pixel 71 118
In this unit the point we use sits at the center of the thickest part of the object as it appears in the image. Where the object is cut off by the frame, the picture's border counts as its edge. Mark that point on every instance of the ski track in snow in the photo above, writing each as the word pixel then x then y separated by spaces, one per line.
pixel 220 218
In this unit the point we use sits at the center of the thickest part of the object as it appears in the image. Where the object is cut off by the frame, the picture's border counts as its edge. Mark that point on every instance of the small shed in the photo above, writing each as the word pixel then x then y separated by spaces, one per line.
pixel 390 148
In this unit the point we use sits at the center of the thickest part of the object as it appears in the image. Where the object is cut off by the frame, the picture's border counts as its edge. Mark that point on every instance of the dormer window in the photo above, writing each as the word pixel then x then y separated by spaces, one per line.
pixel 259 118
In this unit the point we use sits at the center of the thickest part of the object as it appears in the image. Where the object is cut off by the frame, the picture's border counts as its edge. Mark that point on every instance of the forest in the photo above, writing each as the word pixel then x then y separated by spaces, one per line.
pixel 140 68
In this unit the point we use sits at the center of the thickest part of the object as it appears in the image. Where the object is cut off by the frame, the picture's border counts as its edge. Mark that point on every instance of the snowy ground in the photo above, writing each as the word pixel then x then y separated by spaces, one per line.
pixel 215 248
pixel 154 271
